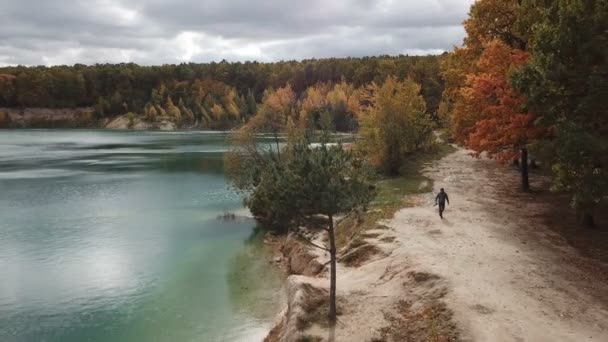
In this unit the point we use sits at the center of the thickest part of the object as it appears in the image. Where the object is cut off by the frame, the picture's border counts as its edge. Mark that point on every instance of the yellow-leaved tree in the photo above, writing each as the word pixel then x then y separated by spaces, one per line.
pixel 343 100
pixel 172 110
pixel 313 105
pixel 274 112
pixel 393 123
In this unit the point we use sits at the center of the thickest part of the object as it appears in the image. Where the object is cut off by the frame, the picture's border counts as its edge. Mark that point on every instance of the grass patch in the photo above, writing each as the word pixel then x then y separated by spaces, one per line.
pixel 392 191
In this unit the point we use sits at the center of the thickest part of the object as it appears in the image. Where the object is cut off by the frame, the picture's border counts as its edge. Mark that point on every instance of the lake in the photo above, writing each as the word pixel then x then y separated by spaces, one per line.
pixel 115 236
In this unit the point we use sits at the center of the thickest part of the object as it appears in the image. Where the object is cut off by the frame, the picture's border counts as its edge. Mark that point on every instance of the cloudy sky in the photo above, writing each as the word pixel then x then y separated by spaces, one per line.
pixel 173 31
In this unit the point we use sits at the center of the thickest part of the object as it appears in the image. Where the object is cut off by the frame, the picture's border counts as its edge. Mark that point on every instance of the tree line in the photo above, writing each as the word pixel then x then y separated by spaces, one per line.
pixel 212 95
pixel 533 75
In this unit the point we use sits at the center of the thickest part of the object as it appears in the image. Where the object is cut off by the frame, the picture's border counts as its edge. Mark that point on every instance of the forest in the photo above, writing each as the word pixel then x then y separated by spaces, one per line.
pixel 214 95
pixel 532 76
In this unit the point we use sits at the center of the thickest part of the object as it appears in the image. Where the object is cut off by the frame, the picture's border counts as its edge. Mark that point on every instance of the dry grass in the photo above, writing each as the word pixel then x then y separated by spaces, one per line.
pixel 431 321
pixel 370 235
pixel 309 338
pixel 388 239
pixel 356 242
pixel 358 256
pixel 424 317
pixel 275 334
pixel 421 277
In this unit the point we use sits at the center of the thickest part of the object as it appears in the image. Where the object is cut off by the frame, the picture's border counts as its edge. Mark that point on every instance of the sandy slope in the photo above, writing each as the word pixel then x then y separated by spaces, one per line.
pixel 508 278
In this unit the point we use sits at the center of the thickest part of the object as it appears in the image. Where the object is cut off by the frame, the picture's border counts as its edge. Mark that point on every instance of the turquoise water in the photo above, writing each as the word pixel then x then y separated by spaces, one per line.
pixel 114 236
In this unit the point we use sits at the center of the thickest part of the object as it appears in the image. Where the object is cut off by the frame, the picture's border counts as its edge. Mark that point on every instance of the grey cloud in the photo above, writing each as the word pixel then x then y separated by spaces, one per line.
pixel 156 31
pixel 362 42
pixel 272 19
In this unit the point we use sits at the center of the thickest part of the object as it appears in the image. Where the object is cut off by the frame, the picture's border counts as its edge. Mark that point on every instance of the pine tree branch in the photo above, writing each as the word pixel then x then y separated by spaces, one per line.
pixel 312 243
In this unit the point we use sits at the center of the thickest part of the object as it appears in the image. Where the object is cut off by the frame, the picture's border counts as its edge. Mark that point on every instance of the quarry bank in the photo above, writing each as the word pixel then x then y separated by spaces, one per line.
pixel 80 117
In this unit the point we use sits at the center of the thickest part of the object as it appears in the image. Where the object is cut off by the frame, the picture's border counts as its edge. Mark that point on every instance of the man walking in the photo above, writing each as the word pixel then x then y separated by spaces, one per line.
pixel 441 198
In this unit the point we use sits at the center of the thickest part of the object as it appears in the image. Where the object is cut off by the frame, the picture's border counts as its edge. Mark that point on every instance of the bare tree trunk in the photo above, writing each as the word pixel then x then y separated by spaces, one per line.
pixel 332 283
pixel 525 183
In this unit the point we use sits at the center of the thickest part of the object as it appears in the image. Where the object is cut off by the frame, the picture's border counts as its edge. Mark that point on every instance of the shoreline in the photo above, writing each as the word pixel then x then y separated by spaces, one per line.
pixel 84 118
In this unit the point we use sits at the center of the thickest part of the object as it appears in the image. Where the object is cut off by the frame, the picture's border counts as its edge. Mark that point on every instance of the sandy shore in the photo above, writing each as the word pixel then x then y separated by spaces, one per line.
pixel 491 267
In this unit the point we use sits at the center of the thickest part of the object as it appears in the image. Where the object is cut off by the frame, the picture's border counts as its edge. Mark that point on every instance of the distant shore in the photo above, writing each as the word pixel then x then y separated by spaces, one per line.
pixel 84 117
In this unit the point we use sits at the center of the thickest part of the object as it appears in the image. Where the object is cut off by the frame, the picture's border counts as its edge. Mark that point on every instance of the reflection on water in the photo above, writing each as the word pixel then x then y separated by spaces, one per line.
pixel 113 236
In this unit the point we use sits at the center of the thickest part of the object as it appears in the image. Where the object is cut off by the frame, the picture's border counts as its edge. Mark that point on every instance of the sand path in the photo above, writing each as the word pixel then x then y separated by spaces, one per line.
pixel 508 277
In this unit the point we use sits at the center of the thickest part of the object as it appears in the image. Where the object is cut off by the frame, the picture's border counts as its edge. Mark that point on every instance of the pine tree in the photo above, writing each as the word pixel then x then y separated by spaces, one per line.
pixel 305 182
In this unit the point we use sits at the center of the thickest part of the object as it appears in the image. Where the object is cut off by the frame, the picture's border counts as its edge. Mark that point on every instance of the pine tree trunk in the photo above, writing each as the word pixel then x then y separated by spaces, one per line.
pixel 332 284
pixel 588 220
pixel 525 183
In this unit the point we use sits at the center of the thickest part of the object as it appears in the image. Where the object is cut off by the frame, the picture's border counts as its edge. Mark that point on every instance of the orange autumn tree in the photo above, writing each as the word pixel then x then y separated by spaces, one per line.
pixel 488 20
pixel 486 114
pixel 501 126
